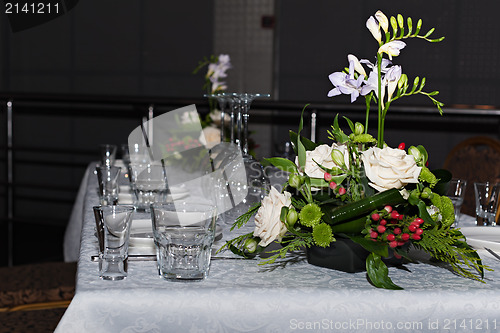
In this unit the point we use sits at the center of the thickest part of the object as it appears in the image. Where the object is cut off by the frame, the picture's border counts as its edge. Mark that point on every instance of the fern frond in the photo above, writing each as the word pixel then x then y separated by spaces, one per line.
pixel 245 217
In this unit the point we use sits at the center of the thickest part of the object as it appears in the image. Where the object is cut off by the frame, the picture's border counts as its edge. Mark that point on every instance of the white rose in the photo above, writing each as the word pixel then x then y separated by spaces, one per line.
pixel 209 137
pixel 322 155
pixel 389 168
pixel 268 225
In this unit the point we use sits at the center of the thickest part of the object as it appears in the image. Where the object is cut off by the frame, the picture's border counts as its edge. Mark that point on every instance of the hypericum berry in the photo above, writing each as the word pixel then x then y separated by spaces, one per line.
pixel 397 231
pixel 388 209
pixel 401 146
pixel 405 236
pixel 333 185
pixel 393 244
pixel 418 221
pixel 401 217
pixel 391 237
pixel 416 237
pixel 381 229
pixel 383 222
pixel 373 234
pixel 401 243
pixel 327 176
pixel 342 191
pixel 419 231
pixel 397 256
pixel 394 215
pixel 412 227
pixel 375 217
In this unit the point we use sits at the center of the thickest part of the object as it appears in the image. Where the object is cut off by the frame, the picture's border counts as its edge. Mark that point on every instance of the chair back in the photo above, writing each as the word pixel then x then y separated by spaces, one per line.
pixel 476 159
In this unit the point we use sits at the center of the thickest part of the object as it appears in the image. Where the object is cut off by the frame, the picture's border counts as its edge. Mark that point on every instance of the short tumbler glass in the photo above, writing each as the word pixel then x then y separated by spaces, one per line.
pixel 183 233
pixel 113 233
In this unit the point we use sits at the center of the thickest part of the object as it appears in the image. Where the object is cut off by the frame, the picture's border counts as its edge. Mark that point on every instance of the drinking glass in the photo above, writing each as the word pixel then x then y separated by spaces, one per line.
pixel 456 193
pixel 257 183
pixel 113 233
pixel 183 233
pixel 108 154
pixel 107 178
pixel 486 203
pixel 225 102
pixel 149 184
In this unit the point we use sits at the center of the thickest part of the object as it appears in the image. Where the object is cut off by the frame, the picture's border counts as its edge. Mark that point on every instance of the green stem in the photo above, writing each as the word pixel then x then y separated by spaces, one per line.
pixel 367 100
pixel 380 134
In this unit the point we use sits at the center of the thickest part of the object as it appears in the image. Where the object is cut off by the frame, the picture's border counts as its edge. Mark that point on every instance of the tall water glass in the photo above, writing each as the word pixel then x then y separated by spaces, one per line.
pixel 107 178
pixel 486 203
pixel 108 154
pixel 456 193
pixel 183 233
pixel 113 233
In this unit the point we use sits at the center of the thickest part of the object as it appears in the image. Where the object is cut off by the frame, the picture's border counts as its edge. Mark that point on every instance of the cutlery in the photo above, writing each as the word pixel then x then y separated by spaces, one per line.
pixel 493 253
pixel 152 257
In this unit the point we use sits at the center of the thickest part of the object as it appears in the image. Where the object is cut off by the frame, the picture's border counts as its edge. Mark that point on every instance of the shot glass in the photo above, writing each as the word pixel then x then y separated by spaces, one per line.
pixel 456 193
pixel 107 178
pixel 108 154
pixel 149 184
pixel 184 234
pixel 113 233
pixel 486 203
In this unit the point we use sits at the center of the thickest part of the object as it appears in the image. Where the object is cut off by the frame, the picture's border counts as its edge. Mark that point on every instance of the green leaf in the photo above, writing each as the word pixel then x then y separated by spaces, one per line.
pixel 424 214
pixel 378 248
pixel 301 150
pixel 472 255
pixel 424 153
pixel 282 164
pixel 308 144
pixel 378 273
pixel 351 124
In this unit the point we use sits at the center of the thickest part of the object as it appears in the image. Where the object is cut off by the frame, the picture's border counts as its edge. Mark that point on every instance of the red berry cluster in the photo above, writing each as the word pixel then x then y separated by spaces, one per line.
pixel 333 185
pixel 388 225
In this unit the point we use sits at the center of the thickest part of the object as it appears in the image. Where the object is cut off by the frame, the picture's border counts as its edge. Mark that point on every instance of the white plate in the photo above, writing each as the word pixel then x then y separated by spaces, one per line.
pixel 482 237
pixel 141 237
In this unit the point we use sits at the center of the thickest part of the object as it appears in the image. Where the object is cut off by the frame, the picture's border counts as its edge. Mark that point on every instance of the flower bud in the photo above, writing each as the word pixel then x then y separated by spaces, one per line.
pixel 338 157
pixel 403 81
pixel 359 128
pixel 415 152
pixel 426 193
pixel 292 216
pixel 250 245
pixel 382 20
pixel 295 180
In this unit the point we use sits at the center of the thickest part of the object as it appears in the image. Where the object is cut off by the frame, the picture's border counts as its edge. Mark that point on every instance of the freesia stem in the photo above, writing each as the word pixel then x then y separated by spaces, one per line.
pixel 380 134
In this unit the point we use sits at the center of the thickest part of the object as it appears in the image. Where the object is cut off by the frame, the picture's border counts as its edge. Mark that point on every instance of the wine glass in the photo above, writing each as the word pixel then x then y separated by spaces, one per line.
pixel 257 181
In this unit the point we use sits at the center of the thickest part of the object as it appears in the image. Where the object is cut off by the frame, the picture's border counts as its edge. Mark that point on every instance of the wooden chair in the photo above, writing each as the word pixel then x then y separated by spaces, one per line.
pixel 476 159
pixel 34 297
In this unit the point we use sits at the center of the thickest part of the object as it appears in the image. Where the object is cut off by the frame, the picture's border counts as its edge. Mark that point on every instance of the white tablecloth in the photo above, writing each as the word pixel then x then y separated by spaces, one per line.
pixel 290 296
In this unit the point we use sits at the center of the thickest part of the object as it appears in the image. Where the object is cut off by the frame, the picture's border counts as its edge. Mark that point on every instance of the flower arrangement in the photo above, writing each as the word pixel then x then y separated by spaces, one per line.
pixel 383 199
pixel 217 67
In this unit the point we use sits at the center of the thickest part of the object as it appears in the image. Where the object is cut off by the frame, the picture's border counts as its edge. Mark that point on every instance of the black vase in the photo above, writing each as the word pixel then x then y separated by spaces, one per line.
pixel 343 255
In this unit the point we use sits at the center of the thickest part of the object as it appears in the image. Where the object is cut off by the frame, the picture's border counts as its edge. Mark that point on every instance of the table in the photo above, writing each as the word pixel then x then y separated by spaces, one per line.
pixel 289 296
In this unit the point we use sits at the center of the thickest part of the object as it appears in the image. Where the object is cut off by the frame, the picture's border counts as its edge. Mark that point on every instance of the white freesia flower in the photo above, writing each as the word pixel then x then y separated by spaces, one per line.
pixel 322 155
pixel 392 48
pixel 209 137
pixel 391 79
pixel 357 65
pixel 382 20
pixel 374 28
pixel 389 168
pixel 268 225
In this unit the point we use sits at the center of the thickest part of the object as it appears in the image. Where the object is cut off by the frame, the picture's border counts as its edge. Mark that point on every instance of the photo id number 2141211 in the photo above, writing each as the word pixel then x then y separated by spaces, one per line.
pixel 32 7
